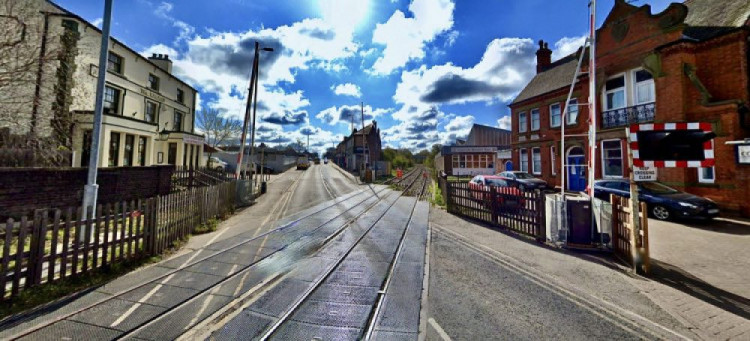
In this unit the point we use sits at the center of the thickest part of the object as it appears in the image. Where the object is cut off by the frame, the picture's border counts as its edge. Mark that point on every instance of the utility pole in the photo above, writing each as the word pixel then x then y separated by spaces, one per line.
pixel 255 109
pixel 90 191
pixel 243 139
pixel 592 109
pixel 364 143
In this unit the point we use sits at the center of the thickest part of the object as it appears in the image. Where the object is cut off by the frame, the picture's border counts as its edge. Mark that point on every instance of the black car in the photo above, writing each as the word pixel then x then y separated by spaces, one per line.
pixel 524 181
pixel 663 202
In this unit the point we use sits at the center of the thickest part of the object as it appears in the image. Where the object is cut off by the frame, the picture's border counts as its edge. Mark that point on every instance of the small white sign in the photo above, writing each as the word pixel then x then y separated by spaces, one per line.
pixel 743 154
pixel 641 174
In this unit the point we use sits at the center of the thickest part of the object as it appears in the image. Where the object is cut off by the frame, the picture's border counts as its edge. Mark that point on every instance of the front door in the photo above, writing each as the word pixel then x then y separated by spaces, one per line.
pixel 576 173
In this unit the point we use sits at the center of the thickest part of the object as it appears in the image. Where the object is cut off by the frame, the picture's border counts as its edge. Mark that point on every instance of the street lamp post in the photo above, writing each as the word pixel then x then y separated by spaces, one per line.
pixel 90 191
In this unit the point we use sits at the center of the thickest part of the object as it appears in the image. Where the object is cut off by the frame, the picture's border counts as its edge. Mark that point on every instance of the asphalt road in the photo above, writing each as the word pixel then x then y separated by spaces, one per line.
pixel 474 297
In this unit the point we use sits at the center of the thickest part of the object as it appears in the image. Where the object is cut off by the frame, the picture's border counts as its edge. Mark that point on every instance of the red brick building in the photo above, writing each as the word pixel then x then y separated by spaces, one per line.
pixel 688 63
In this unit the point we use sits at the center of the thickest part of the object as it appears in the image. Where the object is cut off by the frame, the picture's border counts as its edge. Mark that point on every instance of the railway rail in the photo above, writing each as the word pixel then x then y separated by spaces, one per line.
pixel 206 280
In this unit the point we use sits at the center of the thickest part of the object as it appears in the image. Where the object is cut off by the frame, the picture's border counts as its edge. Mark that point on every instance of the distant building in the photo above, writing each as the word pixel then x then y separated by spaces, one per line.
pixel 361 147
pixel 148 112
pixel 478 154
pixel 688 63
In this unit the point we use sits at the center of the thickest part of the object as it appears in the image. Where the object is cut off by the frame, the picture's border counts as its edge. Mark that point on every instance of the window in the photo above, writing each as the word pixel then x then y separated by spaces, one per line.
pixel 150 115
pixel 180 96
pixel 614 95
pixel 114 149
pixel 522 124
pixel 644 87
pixel 552 158
pixel 111 100
pixel 153 82
pixel 86 152
pixel 177 122
pixel 706 175
pixel 612 158
pixel 127 158
pixel 535 119
pixel 172 153
pixel 523 157
pixel 455 161
pixel 536 166
pixel 554 115
pixel 142 150
pixel 462 161
pixel 114 63
pixel 572 115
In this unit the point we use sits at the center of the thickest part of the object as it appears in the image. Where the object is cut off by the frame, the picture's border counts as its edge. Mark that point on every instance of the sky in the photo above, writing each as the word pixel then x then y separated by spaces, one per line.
pixel 426 70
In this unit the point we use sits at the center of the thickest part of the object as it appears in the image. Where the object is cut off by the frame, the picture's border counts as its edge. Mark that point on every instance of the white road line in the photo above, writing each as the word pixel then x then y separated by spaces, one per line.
pixel 142 300
pixel 439 330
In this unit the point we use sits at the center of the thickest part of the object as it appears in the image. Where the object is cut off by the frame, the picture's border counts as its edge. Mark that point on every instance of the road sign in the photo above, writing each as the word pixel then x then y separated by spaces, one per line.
pixel 644 174
pixel 672 145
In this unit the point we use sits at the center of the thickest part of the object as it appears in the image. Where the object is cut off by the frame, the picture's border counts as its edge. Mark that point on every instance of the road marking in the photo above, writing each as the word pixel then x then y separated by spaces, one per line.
pixel 615 312
pixel 140 301
pixel 439 329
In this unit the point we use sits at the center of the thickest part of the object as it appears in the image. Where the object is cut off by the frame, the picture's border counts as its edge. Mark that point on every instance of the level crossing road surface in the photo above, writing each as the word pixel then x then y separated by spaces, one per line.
pixel 350 267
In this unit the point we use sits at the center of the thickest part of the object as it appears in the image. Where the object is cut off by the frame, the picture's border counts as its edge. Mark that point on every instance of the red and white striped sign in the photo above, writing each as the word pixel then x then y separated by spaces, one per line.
pixel 708 147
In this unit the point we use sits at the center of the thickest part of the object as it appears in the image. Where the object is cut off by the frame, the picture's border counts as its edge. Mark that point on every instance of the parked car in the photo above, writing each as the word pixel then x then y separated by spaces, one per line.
pixel 480 186
pixel 524 181
pixel 216 163
pixel 325 161
pixel 663 202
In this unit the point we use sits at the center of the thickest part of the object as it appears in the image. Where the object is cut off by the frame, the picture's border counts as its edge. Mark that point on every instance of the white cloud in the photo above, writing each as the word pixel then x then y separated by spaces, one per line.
pixel 504 122
pixel 163 11
pixel 98 22
pixel 346 113
pixel 460 123
pixel 567 45
pixel 347 89
pixel 405 37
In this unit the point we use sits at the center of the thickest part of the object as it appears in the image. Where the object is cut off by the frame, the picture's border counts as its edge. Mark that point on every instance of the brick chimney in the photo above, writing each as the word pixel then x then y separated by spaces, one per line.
pixel 162 61
pixel 543 57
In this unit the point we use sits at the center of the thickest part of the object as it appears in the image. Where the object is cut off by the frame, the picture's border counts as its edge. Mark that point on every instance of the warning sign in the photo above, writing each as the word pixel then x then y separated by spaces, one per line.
pixel 643 174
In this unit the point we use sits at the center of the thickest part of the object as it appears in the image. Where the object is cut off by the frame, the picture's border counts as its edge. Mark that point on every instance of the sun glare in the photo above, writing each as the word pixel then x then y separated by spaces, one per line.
pixel 345 14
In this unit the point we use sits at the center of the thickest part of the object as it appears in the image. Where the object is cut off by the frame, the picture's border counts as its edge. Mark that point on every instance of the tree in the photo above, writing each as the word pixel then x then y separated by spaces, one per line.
pixel 218 129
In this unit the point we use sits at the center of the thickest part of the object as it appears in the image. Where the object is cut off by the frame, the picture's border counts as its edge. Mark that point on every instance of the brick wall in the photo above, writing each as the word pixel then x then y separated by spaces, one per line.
pixel 23 190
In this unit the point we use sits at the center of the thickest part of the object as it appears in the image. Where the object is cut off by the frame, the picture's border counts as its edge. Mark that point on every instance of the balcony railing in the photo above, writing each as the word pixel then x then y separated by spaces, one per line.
pixel 641 113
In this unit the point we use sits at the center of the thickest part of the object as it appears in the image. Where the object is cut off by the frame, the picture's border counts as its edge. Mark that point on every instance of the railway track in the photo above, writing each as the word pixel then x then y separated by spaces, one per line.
pixel 206 280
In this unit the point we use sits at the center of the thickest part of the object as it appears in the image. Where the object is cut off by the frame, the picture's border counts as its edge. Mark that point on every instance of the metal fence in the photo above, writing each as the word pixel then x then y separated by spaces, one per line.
pixel 55 244
pixel 504 207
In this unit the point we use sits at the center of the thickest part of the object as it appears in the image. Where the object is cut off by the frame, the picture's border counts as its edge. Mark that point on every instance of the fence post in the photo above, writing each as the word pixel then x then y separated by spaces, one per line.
pixel 447 194
pixel 493 205
pixel 36 249
pixel 541 216
pixel 153 249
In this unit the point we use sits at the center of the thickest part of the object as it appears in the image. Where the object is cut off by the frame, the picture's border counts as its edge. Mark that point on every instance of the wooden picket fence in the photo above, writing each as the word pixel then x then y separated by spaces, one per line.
pixel 622 231
pixel 502 207
pixel 56 244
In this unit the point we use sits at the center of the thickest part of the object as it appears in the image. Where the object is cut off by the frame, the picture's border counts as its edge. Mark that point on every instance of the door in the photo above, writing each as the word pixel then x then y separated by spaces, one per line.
pixel 576 170
pixel 509 166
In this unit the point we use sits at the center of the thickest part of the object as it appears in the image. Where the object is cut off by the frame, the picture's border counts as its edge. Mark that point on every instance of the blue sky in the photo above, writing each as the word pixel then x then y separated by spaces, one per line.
pixel 425 69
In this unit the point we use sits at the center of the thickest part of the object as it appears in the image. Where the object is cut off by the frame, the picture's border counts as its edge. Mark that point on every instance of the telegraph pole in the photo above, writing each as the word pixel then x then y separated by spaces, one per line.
pixel 251 89
pixel 364 165
pixel 90 191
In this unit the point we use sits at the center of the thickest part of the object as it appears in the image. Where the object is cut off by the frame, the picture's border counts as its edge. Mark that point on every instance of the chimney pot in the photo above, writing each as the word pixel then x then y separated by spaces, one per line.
pixel 153 55
pixel 543 56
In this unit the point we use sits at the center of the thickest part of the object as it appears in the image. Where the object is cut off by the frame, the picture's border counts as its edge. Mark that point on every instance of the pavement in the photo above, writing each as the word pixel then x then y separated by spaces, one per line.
pixel 486 283
pixel 317 255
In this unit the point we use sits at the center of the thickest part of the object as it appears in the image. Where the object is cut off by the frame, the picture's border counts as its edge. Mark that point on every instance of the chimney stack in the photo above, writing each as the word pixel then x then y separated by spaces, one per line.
pixel 162 61
pixel 543 57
